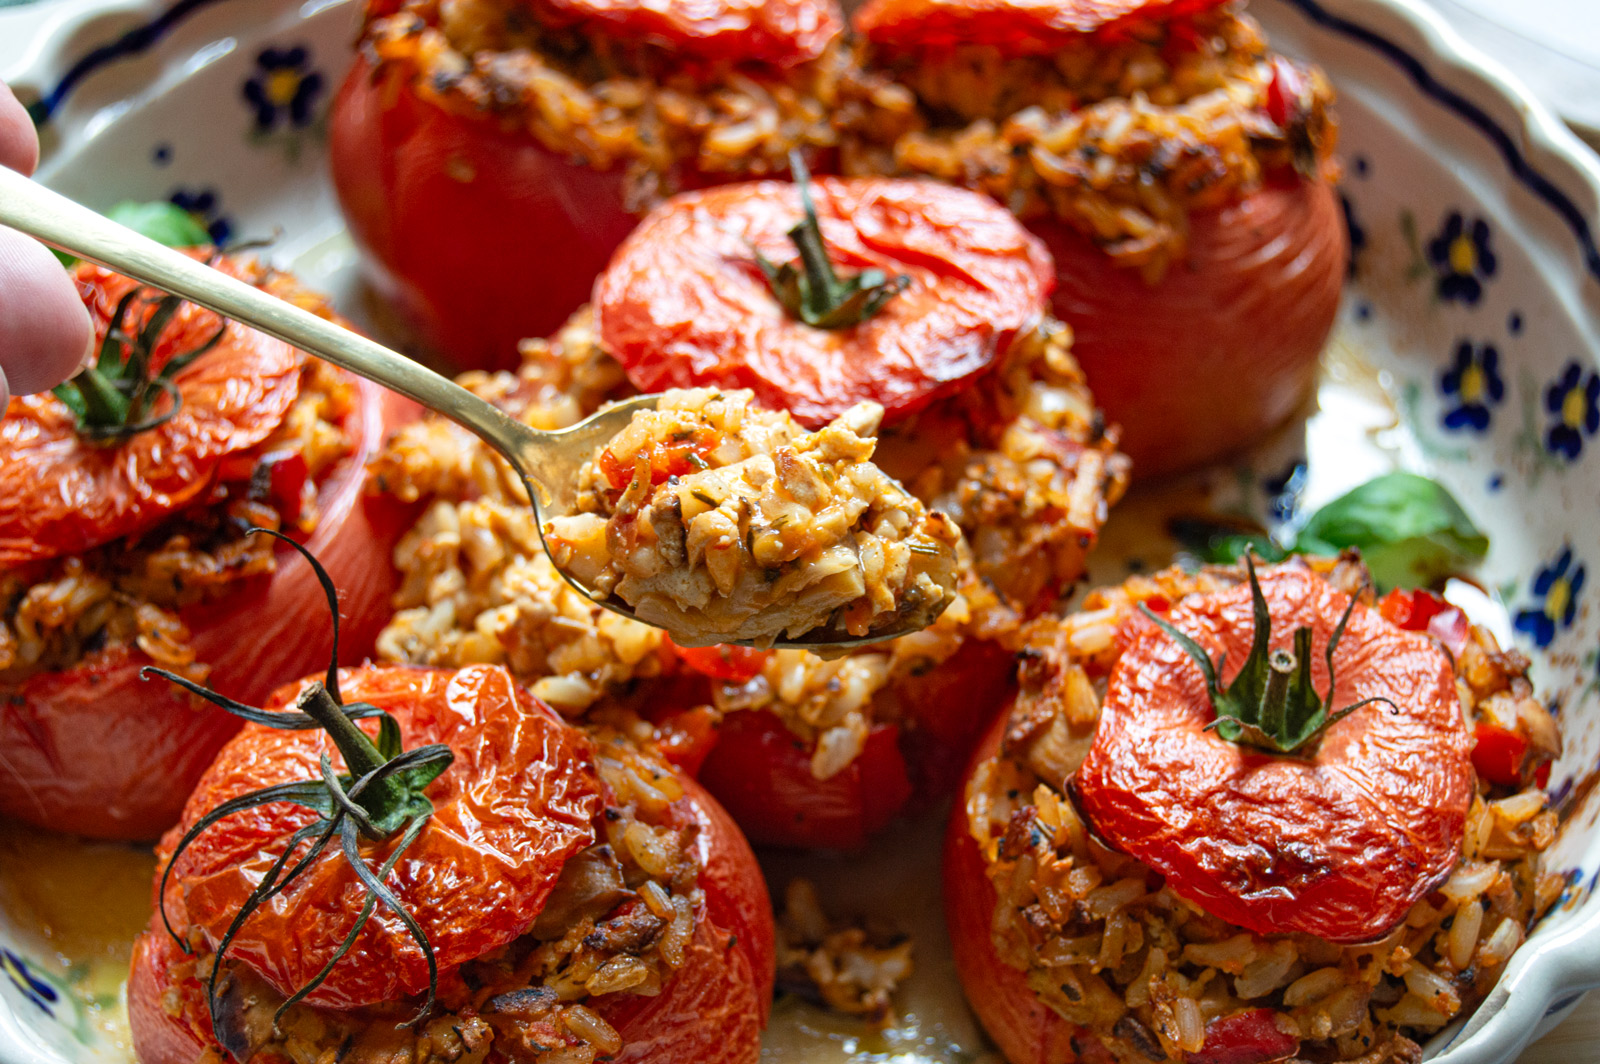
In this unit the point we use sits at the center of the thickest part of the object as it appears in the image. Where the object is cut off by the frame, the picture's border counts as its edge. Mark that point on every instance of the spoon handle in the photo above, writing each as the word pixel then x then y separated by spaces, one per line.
pixel 49 216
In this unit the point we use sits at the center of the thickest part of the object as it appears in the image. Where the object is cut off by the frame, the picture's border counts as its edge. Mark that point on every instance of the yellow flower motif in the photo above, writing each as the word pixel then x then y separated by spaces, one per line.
pixel 1555 603
pixel 1574 408
pixel 1473 384
pixel 282 85
pixel 1463 255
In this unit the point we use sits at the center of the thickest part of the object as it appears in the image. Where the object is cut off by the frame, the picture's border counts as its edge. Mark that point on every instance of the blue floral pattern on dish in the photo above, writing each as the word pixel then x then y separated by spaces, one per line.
pixel 1472 386
pixel 1575 401
pixel 1462 258
pixel 1558 587
pixel 206 206
pixel 1356 232
pixel 284 88
pixel 33 988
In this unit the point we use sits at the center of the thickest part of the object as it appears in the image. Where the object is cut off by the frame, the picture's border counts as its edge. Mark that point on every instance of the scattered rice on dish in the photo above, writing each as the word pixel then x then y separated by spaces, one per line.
pixel 851 968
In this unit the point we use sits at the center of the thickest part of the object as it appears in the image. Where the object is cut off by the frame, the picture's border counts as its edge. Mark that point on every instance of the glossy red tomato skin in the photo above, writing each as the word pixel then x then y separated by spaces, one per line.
pixel 683 303
pixel 1026 1029
pixel 1016 26
pixel 1337 844
pixel 477 234
pixel 761 772
pixel 713 1009
pixel 95 751
pixel 1224 348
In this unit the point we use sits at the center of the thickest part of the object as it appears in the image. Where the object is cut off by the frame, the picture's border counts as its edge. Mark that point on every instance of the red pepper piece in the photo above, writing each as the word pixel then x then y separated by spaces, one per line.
pixel 1248 1037
pixel 1499 754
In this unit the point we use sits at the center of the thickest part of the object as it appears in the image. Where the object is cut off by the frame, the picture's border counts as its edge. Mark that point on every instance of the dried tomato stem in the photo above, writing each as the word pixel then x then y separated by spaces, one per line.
pixel 383 797
pixel 1272 703
pixel 815 294
pixel 112 398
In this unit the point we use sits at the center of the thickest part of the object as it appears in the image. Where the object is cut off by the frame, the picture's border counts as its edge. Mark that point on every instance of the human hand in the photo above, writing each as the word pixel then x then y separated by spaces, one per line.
pixel 45 334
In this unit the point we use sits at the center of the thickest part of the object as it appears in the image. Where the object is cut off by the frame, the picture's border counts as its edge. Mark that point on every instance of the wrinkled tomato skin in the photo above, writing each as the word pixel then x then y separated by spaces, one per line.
pixel 478 235
pixel 64 493
pixel 95 751
pixel 1224 348
pixel 1026 1030
pixel 517 802
pixel 683 303
pixel 761 771
pixel 1339 843
pixel 714 1007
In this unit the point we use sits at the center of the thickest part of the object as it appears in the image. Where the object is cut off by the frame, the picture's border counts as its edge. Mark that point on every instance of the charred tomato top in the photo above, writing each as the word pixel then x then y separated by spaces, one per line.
pixel 685 302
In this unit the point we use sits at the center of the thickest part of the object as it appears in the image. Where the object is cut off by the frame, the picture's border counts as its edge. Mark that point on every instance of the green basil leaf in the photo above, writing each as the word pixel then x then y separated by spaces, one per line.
pixel 1411 532
pixel 164 223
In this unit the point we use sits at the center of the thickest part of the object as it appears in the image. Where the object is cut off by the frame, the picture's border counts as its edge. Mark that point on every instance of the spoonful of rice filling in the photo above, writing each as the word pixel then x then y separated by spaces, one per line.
pixel 720 521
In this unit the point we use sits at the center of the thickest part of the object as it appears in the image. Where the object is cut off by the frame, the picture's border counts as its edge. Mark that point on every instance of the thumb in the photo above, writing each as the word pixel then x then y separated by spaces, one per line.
pixel 45 332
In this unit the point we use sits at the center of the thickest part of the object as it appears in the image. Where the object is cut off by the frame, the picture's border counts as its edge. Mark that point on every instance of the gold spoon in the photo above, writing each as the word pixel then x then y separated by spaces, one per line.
pixel 547 461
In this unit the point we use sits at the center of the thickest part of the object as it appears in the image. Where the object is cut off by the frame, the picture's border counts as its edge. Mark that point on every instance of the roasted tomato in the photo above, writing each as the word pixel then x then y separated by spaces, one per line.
pixel 89 526
pixel 1200 269
pixel 1225 346
pixel 485 209
pixel 572 893
pixel 685 302
pixel 763 772
pixel 1338 841
pixel 1075 940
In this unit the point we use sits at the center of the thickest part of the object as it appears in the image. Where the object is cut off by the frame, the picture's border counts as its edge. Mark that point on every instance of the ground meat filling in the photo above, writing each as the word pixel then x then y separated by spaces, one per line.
pixel 1021 461
pixel 619 922
pixel 1112 949
pixel 1120 139
pixel 720 521
pixel 54 615
pixel 609 102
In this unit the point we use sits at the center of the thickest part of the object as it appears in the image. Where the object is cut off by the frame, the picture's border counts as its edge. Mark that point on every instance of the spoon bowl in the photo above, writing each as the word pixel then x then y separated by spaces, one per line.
pixel 547 462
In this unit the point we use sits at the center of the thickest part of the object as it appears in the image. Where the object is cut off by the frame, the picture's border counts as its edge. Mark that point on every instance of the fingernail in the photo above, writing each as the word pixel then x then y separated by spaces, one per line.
pixel 5 393
pixel 89 355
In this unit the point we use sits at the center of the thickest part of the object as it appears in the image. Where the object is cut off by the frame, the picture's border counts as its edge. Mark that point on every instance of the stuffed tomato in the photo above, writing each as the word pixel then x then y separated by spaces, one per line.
pixel 926 300
pixel 1179 172
pixel 123 544
pixel 489 156
pixel 563 896
pixel 1286 854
